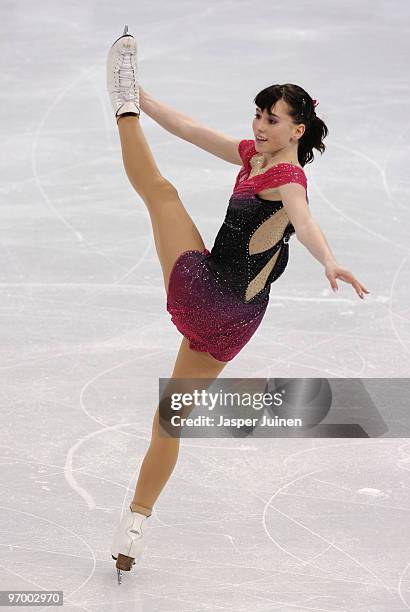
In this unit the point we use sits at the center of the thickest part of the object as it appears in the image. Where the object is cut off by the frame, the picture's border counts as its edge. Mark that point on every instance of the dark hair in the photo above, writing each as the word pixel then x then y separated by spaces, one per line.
pixel 302 110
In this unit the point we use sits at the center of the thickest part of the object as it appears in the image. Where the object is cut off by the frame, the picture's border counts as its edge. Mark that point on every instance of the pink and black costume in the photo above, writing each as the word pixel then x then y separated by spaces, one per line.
pixel 217 299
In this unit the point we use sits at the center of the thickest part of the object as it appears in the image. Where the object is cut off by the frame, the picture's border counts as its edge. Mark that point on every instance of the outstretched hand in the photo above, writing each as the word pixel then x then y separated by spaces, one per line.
pixel 334 271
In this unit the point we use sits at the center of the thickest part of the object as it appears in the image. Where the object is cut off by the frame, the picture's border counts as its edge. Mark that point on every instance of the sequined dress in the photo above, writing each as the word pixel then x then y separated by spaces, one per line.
pixel 217 299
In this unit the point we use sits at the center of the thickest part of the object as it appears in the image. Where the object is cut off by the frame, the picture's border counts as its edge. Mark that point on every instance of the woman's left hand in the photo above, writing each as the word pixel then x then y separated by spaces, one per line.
pixel 334 271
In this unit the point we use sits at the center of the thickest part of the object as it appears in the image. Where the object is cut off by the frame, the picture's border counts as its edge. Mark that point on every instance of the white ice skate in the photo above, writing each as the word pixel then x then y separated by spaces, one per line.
pixel 128 541
pixel 122 83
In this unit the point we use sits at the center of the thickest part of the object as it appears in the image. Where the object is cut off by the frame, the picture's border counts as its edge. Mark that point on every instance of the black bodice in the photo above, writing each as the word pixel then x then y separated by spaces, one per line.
pixel 265 223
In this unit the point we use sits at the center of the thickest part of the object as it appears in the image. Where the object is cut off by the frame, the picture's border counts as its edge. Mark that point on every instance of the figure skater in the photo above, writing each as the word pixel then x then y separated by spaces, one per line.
pixel 216 298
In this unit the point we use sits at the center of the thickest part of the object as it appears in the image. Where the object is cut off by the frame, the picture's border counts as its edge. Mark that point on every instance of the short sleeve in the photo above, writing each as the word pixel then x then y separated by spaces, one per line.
pixel 279 175
pixel 246 149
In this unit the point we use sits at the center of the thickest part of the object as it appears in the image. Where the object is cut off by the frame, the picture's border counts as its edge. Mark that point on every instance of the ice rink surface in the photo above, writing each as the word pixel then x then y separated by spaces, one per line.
pixel 285 525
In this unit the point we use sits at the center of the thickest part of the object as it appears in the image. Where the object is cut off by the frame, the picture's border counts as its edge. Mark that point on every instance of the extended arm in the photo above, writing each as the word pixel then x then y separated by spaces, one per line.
pixel 311 236
pixel 167 117
pixel 188 129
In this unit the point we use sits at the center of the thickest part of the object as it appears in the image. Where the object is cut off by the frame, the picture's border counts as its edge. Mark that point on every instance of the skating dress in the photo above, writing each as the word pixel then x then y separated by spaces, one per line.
pixel 217 299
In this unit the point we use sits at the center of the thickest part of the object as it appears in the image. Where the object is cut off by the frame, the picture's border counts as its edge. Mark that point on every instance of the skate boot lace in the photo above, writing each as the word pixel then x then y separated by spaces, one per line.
pixel 126 75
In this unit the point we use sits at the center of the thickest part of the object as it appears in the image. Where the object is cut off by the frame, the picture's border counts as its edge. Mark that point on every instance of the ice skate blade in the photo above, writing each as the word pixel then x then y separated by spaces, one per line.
pixel 122 36
pixel 119 576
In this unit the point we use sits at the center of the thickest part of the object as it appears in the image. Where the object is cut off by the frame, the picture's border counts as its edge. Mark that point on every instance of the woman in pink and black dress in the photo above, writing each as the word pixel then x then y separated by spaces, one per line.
pixel 217 298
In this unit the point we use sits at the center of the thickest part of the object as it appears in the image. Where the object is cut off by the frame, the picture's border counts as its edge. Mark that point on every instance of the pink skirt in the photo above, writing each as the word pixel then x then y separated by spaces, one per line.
pixel 208 313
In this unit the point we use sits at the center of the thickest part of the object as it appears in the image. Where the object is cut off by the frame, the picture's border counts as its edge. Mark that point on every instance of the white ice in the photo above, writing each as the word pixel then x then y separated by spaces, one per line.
pixel 286 525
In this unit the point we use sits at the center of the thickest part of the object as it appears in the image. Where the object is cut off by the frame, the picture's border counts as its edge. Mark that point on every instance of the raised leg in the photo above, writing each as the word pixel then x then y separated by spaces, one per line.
pixel 174 230
pixel 162 454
